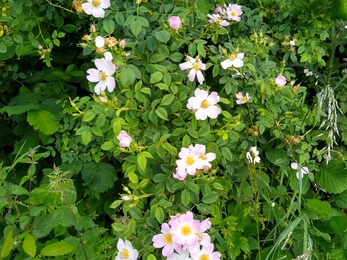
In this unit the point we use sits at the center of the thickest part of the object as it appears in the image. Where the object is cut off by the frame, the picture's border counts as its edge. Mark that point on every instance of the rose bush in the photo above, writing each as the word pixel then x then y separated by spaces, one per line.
pixel 185 130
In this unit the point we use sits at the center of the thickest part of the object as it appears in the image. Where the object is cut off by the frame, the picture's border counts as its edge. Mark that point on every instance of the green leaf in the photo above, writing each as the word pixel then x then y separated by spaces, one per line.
pixel 161 112
pixel 209 198
pixel 321 208
pixel 339 9
pixel 86 137
pixel 118 227
pixel 185 197
pixel 99 176
pixel 133 177
pixel 332 177
pixel 109 25
pixel 127 77
pixel 88 116
pixel 43 121
pixel 162 36
pixel 29 245
pixel 151 257
pixel 203 6
pixel 58 248
pixel 107 146
pixel 136 27
pixel 3 49
pixel 42 225
pixel 7 245
pixel 156 77
pixel 167 100
pixel 159 215
pixel 142 161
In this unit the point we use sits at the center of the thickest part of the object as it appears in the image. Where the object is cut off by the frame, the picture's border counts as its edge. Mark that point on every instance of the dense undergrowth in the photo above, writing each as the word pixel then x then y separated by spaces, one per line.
pixel 211 129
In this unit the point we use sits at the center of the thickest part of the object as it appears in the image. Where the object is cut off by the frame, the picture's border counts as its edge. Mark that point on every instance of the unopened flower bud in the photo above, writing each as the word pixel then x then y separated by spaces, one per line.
pixel 175 22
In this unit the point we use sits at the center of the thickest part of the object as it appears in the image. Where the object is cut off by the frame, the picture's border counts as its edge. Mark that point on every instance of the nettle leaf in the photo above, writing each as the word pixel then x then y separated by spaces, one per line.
pixel 43 225
pixel 321 208
pixel 99 176
pixel 332 177
pixel 43 121
pixel 18 109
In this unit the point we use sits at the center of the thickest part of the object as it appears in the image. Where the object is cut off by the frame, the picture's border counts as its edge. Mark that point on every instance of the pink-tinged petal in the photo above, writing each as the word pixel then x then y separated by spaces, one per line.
pixel 101 85
pixel 158 241
pixel 97 89
pixel 294 166
pixel 238 63
pixel 226 64
pixel 200 76
pixel 201 94
pixel 93 75
pixel 105 4
pixel 224 23
pixel 201 114
pixel 99 42
pixel 120 244
pixel 240 55
pixel 168 250
pixel 213 98
pixel 213 112
pixel 193 103
pixel 186 65
pixel 192 240
pixel 239 102
pixel 191 169
pixel 202 66
pixel 98 12
pixel 191 59
pixel 191 75
pixel 239 95
pixel 110 68
pixel 111 84
pixel 210 156
pixel 100 64
pixel 88 8
pixel 165 228
pixel 134 254
pixel 183 153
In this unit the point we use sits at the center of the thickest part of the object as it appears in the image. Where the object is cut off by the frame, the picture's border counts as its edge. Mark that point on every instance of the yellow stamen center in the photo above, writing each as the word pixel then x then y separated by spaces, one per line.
pixel 202 157
pixel 124 254
pixel 168 238
pixel 232 56
pixel 190 160
pixel 196 66
pixel 204 257
pixel 205 104
pixel 186 230
pixel 233 13
pixel 102 76
pixel 96 3
pixel 244 99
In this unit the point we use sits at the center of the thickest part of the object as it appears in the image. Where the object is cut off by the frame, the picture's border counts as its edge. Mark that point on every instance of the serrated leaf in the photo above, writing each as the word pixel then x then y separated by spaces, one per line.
pixel 209 198
pixel 127 77
pixel 135 27
pixel 162 36
pixel 321 208
pixel 99 176
pixel 332 177
pixel 7 245
pixel 162 113
pixel 18 109
pixel 58 248
pixel 43 121
pixel 185 197
pixel 42 225
pixel 29 245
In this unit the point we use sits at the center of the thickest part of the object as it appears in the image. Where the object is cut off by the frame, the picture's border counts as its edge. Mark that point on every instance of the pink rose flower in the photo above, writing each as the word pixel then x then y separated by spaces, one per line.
pixel 175 22
pixel 280 81
pixel 124 139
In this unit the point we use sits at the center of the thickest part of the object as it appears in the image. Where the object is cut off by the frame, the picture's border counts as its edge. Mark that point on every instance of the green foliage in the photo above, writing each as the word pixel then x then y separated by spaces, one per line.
pixel 70 190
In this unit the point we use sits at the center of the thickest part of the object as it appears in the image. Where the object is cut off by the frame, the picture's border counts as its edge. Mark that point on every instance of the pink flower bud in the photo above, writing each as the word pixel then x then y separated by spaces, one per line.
pixel 124 139
pixel 122 43
pixel 92 28
pixel 175 22
pixel 280 81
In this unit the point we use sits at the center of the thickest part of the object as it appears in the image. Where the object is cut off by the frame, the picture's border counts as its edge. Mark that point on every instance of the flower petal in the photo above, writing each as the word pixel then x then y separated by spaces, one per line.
pixel 227 64
pixel 186 65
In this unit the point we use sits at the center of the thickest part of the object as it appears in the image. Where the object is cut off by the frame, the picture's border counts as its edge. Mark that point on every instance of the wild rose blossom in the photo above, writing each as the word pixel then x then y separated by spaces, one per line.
pixel 175 22
pixel 195 66
pixel 232 12
pixel 204 104
pixel 103 74
pixel 126 251
pixel 185 238
pixel 235 59
pixel 241 99
pixel 191 160
pixel 216 18
pixel 253 155
pixel 300 170
pixel 124 139
pixel 280 81
pixel 96 7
